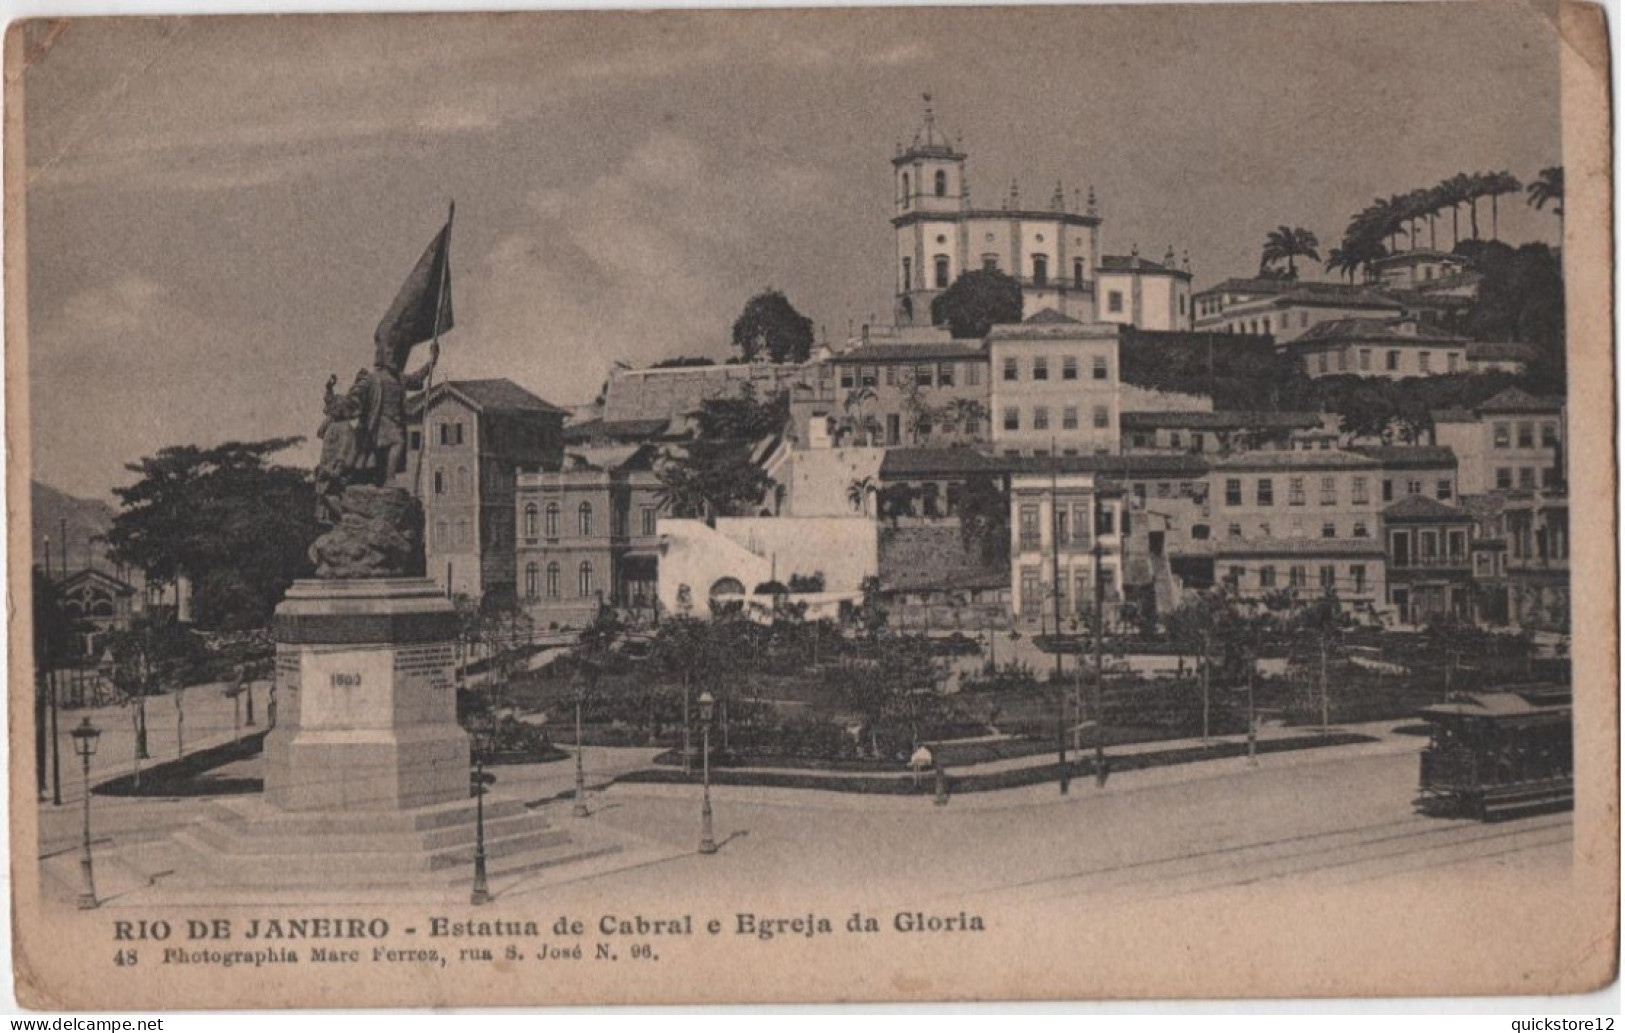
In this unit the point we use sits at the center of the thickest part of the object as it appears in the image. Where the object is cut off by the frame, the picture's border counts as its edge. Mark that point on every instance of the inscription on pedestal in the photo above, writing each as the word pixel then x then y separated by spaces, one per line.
pixel 431 666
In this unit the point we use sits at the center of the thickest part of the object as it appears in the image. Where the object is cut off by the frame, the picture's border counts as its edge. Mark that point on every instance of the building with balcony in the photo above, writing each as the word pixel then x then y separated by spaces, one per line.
pixel 1300 520
pixel 1430 561
pixel 1054 387
pixel 1212 433
pixel 932 394
pixel 1537 562
pixel 1057 516
pixel 588 534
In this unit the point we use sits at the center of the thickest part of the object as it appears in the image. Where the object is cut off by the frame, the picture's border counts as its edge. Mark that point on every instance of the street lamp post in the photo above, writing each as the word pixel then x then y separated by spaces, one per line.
pixel 580 808
pixel 481 734
pixel 84 744
pixel 708 843
pixel 248 689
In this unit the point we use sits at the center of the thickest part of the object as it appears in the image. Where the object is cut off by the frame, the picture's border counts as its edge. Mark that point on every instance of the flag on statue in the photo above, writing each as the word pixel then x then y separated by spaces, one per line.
pixel 422 309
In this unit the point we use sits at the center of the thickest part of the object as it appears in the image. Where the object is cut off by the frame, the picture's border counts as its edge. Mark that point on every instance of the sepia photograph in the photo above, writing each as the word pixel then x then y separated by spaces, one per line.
pixel 877 504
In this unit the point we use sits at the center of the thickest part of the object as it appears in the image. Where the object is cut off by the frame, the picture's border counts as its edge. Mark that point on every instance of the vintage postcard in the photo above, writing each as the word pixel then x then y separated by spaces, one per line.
pixel 889 504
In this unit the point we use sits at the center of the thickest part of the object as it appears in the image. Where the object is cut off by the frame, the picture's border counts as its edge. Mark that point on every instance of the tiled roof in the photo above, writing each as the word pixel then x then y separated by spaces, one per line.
pixel 924 462
pixel 1046 316
pixel 1231 419
pixel 1235 548
pixel 499 395
pixel 616 430
pixel 1316 460
pixel 1515 400
pixel 1319 295
pixel 1251 286
pixel 1136 264
pixel 1064 329
pixel 1420 507
pixel 1186 465
pixel 1374 330
pixel 928 352
pixel 1403 457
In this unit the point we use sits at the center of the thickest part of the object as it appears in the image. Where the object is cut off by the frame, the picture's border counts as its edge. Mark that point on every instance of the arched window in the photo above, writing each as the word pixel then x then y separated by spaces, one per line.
pixel 530 580
pixel 552 520
pixel 1040 270
pixel 908 309
pixel 440 482
pixel 905 190
pixel 584 520
pixel 908 274
pixel 530 520
pixel 1077 273
pixel 726 586
pixel 942 183
pixel 941 271
pixel 552 580
pixel 584 576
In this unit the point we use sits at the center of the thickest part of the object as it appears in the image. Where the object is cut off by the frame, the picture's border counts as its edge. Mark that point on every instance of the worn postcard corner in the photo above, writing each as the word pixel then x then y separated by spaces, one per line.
pixel 543 509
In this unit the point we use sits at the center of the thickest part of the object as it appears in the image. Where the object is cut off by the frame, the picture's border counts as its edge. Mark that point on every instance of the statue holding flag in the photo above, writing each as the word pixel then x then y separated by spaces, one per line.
pixel 376 528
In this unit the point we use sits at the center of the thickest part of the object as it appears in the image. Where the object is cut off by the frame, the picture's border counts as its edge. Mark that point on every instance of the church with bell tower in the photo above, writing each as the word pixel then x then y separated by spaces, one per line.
pixel 1052 249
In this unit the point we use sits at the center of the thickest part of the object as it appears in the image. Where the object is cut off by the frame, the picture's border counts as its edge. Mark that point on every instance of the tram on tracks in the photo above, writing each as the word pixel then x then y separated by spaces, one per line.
pixel 1499 754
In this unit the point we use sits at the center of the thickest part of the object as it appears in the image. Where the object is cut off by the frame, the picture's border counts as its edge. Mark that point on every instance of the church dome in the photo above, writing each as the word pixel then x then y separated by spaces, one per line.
pixel 930 139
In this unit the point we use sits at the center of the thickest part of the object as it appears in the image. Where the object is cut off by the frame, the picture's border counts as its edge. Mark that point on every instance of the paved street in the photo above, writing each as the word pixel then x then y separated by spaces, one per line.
pixel 1328 817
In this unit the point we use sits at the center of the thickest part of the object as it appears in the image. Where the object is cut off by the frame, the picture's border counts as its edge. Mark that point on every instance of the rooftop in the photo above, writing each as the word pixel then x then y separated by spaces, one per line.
pixel 500 395
pixel 1136 264
pixel 1386 330
pixel 1240 547
pixel 1317 460
pixel 1227 420
pixel 616 430
pixel 1515 400
pixel 1420 507
pixel 1402 457
pixel 929 352
pixel 1049 325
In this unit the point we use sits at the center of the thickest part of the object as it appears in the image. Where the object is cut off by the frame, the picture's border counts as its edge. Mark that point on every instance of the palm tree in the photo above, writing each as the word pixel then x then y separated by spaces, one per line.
pixel 1499 183
pixel 1477 186
pixel 1455 192
pixel 1549 187
pixel 859 492
pixel 856 419
pixel 1419 204
pixel 1289 243
pixel 1344 260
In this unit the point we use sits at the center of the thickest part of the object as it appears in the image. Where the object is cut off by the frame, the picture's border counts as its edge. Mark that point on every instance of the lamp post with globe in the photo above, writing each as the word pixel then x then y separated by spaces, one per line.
pixel 84 744
pixel 708 843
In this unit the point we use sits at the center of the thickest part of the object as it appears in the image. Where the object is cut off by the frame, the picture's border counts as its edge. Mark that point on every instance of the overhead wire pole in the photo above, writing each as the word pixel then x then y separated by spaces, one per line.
pixel 1055 598
pixel 1100 631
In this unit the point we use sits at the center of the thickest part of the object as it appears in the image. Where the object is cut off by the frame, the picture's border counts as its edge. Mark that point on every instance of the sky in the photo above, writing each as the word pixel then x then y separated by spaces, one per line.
pixel 220 210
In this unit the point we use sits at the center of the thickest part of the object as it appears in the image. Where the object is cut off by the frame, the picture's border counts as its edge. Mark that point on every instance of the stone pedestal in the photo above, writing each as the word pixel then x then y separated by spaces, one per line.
pixel 366 698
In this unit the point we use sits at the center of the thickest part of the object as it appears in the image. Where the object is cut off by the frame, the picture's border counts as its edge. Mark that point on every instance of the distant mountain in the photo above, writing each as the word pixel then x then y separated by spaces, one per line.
pixel 86 519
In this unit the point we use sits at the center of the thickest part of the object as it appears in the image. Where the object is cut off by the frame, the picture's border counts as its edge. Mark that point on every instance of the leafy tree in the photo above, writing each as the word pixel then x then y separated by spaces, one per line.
pixel 744 416
pixel 1520 298
pixel 683 361
pixel 976 301
pixel 859 491
pixel 1288 243
pixel 984 519
pixel 707 479
pixel 770 328
pixel 225 517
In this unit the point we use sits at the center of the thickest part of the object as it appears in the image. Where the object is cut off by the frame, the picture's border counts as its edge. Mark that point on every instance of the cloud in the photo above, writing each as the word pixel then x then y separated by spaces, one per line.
pixel 653 258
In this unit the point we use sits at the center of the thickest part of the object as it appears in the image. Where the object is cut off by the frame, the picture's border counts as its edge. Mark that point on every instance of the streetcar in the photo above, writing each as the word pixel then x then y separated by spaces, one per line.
pixel 1499 754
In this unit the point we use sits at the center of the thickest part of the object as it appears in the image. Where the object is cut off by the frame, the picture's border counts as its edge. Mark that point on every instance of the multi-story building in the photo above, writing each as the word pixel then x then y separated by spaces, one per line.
pixel 1499 357
pixel 1286 309
pixel 472 438
pixel 588 534
pixel 1537 562
pixel 917 395
pixel 1054 387
pixel 1306 521
pixel 1511 442
pixel 1059 510
pixel 1430 560
pixel 1212 433
pixel 1429 471
pixel 1390 348
pixel 1419 269
pixel 1144 294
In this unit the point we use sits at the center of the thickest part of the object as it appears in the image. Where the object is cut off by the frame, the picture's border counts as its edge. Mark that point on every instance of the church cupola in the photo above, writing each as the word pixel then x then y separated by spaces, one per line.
pixel 930 171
